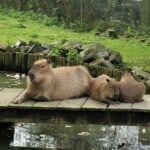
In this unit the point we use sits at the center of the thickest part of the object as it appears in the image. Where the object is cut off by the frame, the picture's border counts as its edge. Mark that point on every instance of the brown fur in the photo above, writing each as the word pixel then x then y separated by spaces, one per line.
pixel 104 89
pixel 130 90
pixel 47 83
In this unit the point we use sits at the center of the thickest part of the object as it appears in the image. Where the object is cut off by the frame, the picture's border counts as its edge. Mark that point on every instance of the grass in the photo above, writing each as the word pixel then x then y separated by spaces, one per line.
pixel 17 25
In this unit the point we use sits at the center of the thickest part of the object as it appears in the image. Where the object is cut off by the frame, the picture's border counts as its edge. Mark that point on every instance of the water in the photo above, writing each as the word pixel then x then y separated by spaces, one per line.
pixel 68 136
pixel 74 137
pixel 12 80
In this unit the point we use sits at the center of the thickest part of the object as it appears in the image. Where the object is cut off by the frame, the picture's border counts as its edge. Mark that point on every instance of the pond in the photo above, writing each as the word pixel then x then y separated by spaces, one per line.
pixel 50 136
pixel 12 80
pixel 73 137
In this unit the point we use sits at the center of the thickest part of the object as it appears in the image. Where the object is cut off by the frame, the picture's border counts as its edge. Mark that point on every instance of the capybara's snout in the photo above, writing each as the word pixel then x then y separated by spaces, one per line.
pixel 31 74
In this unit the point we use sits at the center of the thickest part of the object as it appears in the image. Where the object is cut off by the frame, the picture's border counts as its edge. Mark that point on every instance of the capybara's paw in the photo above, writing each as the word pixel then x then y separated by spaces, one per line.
pixel 17 101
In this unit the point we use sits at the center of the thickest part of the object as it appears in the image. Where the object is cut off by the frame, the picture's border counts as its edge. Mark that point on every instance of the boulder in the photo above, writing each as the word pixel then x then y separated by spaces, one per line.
pixel 101 62
pixel 147 83
pixel 140 73
pixel 105 54
pixel 115 57
pixel 76 45
pixel 35 47
pixel 20 43
pixel 24 49
pixel 6 48
pixel 107 64
pixel 97 62
pixel 94 51
pixel 112 33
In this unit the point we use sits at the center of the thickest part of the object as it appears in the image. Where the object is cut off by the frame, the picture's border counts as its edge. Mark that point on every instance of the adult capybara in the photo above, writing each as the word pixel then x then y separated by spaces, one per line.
pixel 47 83
pixel 104 89
pixel 130 90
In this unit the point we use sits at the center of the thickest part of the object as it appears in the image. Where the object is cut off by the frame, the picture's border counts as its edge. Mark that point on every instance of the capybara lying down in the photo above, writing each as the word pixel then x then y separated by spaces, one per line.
pixel 130 90
pixel 47 83
pixel 104 89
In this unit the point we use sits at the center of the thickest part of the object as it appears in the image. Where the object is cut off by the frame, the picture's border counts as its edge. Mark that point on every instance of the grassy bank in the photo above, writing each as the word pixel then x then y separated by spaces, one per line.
pixel 28 26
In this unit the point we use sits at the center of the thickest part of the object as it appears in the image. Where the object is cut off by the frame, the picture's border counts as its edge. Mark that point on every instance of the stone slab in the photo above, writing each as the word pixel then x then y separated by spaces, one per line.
pixel 120 107
pixel 143 106
pixel 91 104
pixel 7 95
pixel 46 105
pixel 72 104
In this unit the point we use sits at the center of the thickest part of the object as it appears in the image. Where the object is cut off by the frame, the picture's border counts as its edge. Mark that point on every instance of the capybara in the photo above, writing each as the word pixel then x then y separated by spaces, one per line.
pixel 130 90
pixel 47 83
pixel 104 89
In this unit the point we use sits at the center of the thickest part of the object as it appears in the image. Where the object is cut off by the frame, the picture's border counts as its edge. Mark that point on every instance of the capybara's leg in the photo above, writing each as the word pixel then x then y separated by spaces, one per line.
pixel 108 101
pixel 21 98
pixel 41 98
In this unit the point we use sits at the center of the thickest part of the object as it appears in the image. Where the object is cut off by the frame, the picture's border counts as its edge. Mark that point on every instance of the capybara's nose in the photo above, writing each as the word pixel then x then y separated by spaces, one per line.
pixel 31 74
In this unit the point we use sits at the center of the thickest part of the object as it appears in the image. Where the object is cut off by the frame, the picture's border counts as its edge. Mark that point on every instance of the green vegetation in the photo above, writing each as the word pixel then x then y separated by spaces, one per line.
pixel 30 26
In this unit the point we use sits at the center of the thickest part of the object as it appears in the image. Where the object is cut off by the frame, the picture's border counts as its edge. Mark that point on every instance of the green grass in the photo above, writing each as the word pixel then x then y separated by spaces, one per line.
pixel 15 25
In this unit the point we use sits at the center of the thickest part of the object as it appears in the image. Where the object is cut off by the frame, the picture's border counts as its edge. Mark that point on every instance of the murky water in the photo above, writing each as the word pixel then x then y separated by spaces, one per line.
pixel 10 80
pixel 74 137
pixel 68 136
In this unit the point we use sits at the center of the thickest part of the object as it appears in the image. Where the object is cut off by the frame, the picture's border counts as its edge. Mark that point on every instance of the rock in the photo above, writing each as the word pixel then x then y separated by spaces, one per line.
pixel 35 47
pixel 115 57
pixel 97 62
pixel 104 54
pixel 20 43
pixel 31 43
pixel 147 83
pixel 76 45
pixel 82 54
pixel 140 73
pixel 47 46
pixel 45 52
pixel 101 62
pixel 6 48
pixel 71 45
pixel 111 33
pixel 96 46
pixel 107 64
pixel 93 51
pixel 24 49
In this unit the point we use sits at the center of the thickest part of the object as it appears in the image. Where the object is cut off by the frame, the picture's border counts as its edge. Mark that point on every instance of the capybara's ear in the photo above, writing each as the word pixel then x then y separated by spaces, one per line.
pixel 107 80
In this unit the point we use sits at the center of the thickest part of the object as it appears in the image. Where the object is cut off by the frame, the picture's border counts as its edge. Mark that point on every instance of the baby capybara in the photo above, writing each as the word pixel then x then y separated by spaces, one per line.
pixel 47 83
pixel 104 89
pixel 130 90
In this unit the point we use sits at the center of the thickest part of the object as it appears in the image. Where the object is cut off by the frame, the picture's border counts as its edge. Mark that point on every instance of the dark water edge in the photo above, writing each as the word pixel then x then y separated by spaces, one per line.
pixel 49 136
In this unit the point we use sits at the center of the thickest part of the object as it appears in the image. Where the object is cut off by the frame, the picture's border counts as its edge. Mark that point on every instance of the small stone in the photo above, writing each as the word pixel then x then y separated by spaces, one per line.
pixel 104 54
pixel 111 33
pixel 115 57
pixel 140 73
pixel 97 62
pixel 24 49
pixel 6 48
pixel 20 43
pixel 108 64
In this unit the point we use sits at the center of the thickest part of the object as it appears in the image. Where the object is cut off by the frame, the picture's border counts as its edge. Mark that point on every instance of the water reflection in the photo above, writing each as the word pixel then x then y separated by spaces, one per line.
pixel 81 137
pixel 14 80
